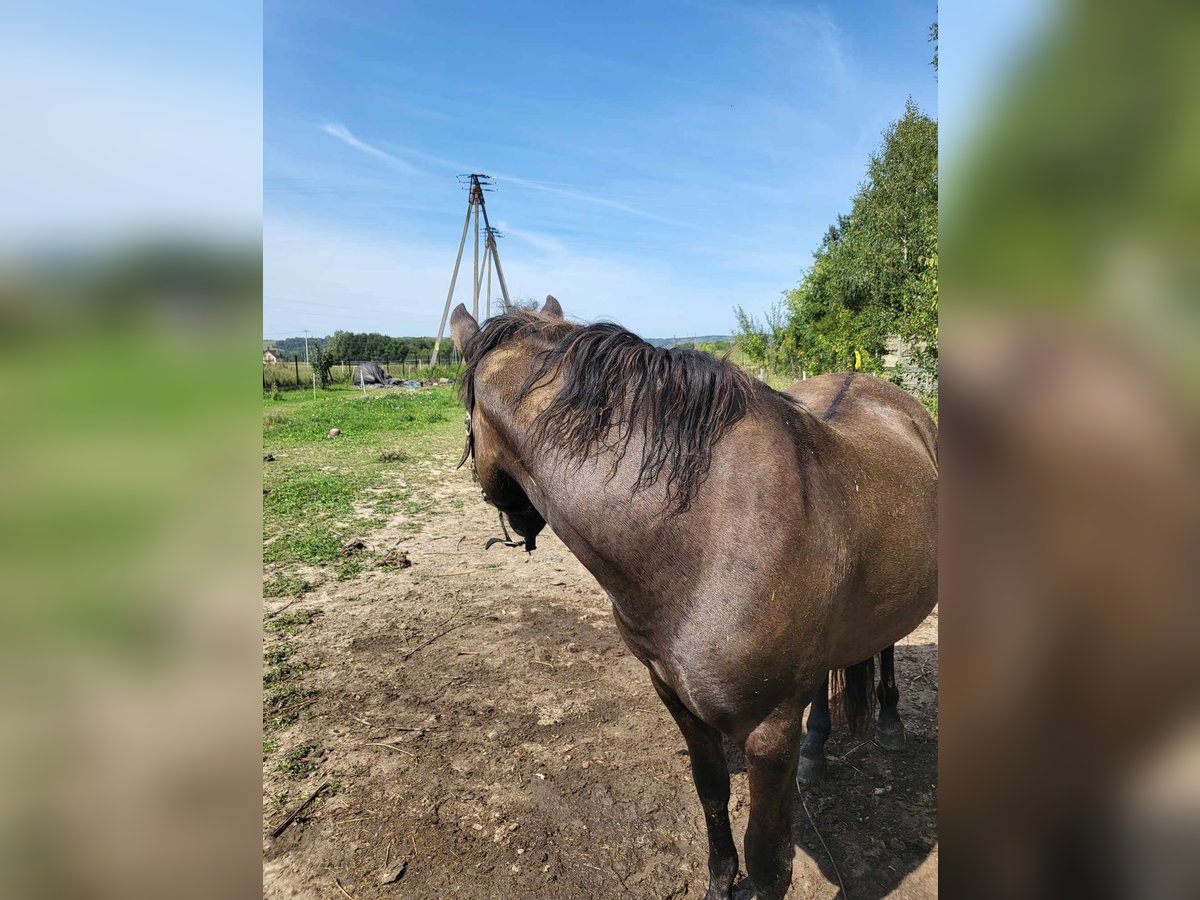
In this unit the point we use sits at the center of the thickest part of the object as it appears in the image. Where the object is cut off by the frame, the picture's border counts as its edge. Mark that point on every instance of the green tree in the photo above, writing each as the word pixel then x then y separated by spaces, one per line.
pixel 322 362
pixel 874 276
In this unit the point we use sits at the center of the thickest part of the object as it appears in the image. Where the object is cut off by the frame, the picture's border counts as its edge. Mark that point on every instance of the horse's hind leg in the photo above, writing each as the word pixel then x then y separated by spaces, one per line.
pixel 710 772
pixel 772 752
pixel 812 752
pixel 889 733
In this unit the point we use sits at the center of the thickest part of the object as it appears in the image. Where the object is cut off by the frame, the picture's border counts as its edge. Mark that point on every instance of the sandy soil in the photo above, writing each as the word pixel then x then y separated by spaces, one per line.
pixel 519 751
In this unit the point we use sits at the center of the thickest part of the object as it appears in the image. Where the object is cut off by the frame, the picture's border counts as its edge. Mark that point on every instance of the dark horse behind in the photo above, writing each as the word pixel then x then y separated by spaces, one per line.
pixel 751 542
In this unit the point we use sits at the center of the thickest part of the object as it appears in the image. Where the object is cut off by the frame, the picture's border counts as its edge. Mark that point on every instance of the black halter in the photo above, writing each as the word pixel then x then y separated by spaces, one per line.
pixel 469 453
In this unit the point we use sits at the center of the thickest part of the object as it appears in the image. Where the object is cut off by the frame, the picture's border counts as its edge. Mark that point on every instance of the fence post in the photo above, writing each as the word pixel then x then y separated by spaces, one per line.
pixel 296 362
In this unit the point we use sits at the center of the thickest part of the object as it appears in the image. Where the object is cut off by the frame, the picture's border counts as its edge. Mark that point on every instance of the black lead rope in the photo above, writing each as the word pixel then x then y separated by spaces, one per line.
pixel 507 540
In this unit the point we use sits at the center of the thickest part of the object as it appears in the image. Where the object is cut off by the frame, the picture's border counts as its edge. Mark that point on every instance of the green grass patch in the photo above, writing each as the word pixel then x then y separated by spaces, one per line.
pixel 280 653
pixel 280 673
pixel 322 491
pixel 359 417
pixel 300 761
pixel 283 704
pixel 286 586
pixel 316 544
pixel 291 622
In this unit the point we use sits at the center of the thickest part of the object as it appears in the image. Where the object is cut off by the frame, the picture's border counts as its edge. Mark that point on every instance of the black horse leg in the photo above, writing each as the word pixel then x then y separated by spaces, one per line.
pixel 889 733
pixel 710 772
pixel 772 753
pixel 812 751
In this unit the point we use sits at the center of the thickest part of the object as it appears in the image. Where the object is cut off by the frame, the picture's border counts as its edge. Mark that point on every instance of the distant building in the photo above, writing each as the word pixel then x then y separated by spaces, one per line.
pixel 272 357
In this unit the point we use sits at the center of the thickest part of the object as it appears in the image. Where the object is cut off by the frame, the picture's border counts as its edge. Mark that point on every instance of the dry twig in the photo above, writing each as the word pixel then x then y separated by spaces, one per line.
pixel 342 889
pixel 390 747
pixel 428 641
pixel 452 574
pixel 279 829
pixel 273 613
pixel 832 861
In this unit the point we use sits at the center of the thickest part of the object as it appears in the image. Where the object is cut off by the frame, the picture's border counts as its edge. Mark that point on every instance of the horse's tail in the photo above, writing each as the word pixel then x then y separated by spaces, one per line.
pixel 852 694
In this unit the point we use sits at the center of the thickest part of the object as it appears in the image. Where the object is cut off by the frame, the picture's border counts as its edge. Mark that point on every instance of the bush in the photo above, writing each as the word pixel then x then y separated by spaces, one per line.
pixel 321 364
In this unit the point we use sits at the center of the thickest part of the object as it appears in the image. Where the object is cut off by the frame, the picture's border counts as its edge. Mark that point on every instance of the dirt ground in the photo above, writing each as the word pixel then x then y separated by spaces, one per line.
pixel 486 734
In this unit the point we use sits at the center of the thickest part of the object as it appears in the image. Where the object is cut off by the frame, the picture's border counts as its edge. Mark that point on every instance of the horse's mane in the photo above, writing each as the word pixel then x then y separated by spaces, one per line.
pixel 613 385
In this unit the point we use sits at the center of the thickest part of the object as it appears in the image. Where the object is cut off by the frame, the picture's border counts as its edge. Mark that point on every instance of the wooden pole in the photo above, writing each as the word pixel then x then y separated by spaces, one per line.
pixel 450 293
pixel 495 256
pixel 488 264
pixel 500 276
pixel 475 297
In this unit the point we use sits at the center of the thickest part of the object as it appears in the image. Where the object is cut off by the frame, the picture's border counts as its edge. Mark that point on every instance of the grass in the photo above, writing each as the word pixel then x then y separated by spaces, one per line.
pixel 323 492
pixel 300 761
pixel 286 586
pixel 321 489
pixel 291 622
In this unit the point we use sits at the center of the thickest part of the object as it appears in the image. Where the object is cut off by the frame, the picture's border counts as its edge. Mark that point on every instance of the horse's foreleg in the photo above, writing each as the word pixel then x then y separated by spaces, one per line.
pixel 812 752
pixel 772 752
pixel 890 731
pixel 710 772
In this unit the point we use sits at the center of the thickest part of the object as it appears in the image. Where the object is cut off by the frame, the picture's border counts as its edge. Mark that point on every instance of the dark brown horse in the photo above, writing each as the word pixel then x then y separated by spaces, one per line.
pixel 751 542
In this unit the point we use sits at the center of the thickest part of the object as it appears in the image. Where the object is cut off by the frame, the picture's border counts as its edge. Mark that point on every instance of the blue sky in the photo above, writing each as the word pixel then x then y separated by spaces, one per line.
pixel 655 163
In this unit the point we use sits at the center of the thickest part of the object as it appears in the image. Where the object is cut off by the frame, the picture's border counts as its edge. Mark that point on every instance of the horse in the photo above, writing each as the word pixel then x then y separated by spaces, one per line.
pixel 755 545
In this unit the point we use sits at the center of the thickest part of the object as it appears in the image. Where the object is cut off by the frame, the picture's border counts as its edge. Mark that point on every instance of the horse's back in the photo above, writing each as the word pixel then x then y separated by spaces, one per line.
pixel 866 408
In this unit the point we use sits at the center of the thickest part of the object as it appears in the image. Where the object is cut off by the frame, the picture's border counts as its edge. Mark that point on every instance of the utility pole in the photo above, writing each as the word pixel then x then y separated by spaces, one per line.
pixel 475 296
pixel 306 347
pixel 476 185
pixel 490 253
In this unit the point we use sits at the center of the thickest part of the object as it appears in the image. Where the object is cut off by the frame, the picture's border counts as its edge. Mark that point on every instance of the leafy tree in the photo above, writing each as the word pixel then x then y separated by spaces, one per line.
pixel 322 362
pixel 874 276
pixel 768 343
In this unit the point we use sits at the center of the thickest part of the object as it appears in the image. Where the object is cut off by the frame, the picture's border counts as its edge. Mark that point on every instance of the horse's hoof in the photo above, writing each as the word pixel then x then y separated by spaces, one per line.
pixel 890 735
pixel 719 888
pixel 810 771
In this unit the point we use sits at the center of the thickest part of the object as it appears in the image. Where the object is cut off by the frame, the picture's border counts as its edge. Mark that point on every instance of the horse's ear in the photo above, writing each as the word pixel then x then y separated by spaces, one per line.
pixel 463 327
pixel 551 308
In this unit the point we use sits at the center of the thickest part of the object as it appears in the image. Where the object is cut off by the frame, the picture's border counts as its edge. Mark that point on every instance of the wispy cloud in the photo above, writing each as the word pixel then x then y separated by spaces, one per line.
pixel 342 133
pixel 544 242
pixel 584 197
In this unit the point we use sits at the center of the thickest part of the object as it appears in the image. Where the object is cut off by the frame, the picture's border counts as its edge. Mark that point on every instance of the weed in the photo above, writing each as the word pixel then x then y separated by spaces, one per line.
pixel 291 622
pixel 269 747
pixel 280 673
pixel 348 570
pixel 301 761
pixel 286 586
pixel 316 545
pixel 280 653
pixel 287 696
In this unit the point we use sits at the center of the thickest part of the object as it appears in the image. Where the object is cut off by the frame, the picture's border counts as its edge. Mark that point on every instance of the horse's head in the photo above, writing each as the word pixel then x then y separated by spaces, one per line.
pixel 492 427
